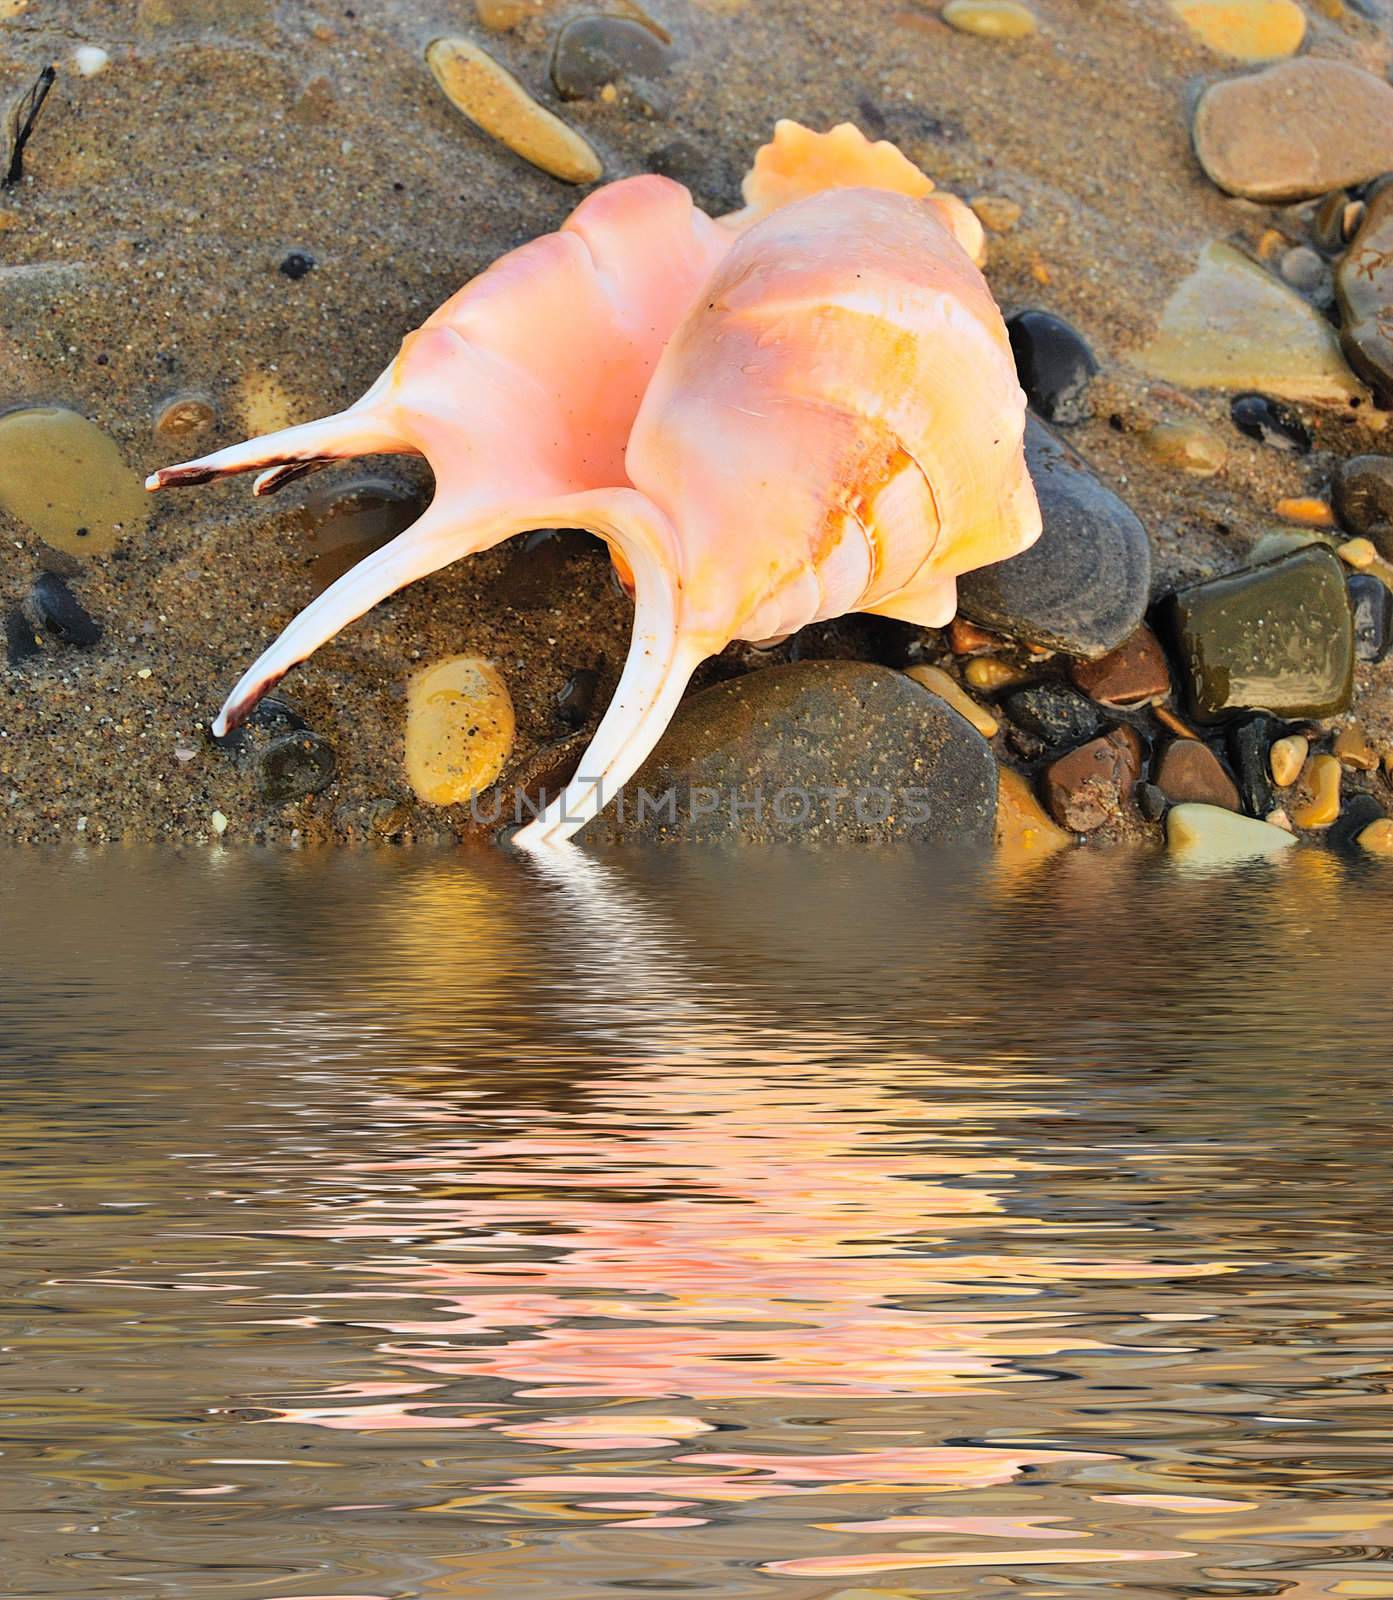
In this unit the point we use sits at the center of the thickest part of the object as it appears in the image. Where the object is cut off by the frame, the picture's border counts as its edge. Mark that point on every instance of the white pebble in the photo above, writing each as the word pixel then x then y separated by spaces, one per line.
pixel 90 59
pixel 219 823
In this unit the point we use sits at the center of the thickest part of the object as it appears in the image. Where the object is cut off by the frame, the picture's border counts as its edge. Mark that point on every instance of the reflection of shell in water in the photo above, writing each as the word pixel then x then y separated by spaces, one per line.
pixel 459 729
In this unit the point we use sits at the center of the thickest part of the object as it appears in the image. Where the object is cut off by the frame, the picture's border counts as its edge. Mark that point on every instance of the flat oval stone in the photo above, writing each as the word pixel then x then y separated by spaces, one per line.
pixel 492 98
pixel 293 766
pixel 1364 292
pixel 593 54
pixel 1135 674
pixel 1276 638
pixel 1191 445
pixel 1231 325
pixel 1054 364
pixel 990 19
pixel 816 752
pixel 1363 495
pixel 1296 130
pixel 1055 713
pixel 1245 30
pixel 64 478
pixel 1083 585
pixel 459 729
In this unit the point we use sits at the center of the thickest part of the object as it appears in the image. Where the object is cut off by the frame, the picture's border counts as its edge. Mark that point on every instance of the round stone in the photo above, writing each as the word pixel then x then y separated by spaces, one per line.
pixel 1191 445
pixel 1083 585
pixel 1055 365
pixel 1296 130
pixel 64 478
pixel 1055 713
pixel 459 729
pixel 990 19
pixel 1189 770
pixel 595 54
pixel 294 765
pixel 1245 30
pixel 61 612
pixel 183 416
pixel 995 212
pixel 1363 494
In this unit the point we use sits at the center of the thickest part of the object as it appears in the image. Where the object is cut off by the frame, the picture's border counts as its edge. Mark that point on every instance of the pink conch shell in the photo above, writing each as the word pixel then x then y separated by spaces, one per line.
pixel 803 409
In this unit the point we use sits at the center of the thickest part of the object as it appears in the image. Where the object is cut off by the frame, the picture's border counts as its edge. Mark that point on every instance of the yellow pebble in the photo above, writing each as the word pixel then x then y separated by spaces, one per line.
pixel 1377 838
pixel 1271 244
pixel 490 96
pixel 990 19
pixel 459 729
pixel 1024 832
pixel 937 681
pixel 990 673
pixel 1320 811
pixel 995 212
pixel 1357 553
pixel 1352 748
pixel 1286 759
pixel 1306 509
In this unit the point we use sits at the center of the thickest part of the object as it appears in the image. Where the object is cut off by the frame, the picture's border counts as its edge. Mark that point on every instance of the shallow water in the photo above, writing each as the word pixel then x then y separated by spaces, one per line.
pixel 395 1226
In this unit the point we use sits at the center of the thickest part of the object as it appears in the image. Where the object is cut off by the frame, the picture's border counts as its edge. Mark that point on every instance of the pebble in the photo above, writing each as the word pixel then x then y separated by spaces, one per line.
pixel 990 674
pixel 1352 749
pixel 1363 494
pixel 1364 294
pixel 1307 510
pixel 1231 325
pixel 492 97
pixel 296 264
pixel 1276 638
pixel 1192 446
pixel 990 19
pixel 1054 364
pixel 1055 713
pixel 1371 603
pixel 1323 775
pixel 1249 742
pixel 91 59
pixel 1303 268
pixel 1357 553
pixel 995 212
pixel 61 612
pixel 576 701
pixel 1083 586
pixel 1151 801
pixel 1245 30
pixel 341 522
pixel 1189 770
pixel 459 729
pixel 759 758
pixel 218 823
pixel 1091 785
pixel 1257 416
pixel 1296 130
pixel 599 53
pixel 1377 838
pixel 1024 830
pixel 1135 674
pixel 1287 757
pixel 966 639
pixel 183 416
pixel 1209 836
pixel 947 688
pixel 64 478
pixel 293 766
pixel 21 642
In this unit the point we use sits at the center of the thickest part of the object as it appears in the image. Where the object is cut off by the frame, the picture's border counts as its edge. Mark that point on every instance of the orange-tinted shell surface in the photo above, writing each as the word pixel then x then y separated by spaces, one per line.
pixel 806 408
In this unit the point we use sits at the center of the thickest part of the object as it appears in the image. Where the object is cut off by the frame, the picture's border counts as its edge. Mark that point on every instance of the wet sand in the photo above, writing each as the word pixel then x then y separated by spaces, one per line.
pixel 140 259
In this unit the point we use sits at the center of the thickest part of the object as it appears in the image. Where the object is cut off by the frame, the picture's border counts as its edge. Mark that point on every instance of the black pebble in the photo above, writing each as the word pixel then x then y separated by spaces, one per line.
pixel 1355 815
pixel 1151 801
pixel 1372 605
pixel 294 765
pixel 1270 423
pixel 1055 365
pixel 21 642
pixel 577 698
pixel 271 714
pixel 61 612
pixel 1362 491
pixel 1054 713
pixel 1250 746
pixel 297 264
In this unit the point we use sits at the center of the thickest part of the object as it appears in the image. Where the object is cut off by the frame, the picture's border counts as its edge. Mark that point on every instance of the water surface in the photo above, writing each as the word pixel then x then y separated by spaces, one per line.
pixel 387 1225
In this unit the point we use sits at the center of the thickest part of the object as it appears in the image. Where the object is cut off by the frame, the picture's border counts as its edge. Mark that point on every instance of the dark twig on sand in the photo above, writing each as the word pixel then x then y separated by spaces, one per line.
pixel 22 125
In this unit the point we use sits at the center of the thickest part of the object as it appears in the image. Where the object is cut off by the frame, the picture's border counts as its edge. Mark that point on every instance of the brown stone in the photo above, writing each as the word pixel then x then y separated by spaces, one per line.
pixel 966 638
pixel 1190 770
pixel 1093 784
pixel 1135 674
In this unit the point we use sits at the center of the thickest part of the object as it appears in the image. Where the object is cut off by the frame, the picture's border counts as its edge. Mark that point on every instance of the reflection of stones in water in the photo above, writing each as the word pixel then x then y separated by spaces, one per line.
pixel 64 478
pixel 343 522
